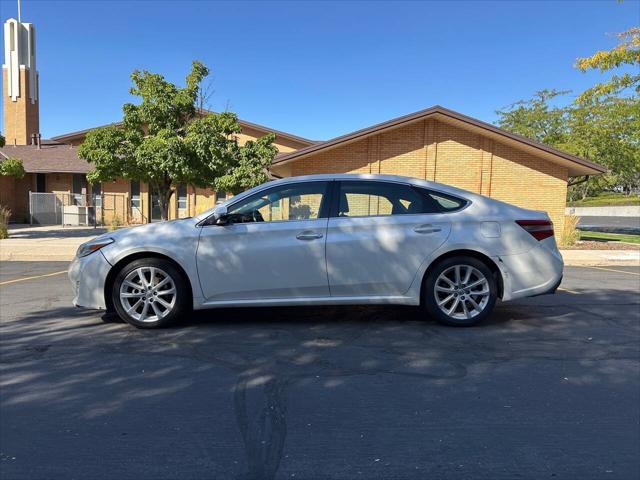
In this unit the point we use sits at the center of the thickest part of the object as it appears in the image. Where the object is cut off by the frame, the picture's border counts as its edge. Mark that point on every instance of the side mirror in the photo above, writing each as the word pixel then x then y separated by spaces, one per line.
pixel 220 215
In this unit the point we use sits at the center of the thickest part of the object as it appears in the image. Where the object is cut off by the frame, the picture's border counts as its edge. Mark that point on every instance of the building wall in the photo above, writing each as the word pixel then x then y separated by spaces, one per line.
pixel 21 117
pixel 14 194
pixel 443 153
pixel 58 182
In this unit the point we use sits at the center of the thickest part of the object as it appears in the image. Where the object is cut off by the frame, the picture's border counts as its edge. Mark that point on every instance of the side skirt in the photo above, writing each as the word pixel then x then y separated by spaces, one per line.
pixel 275 302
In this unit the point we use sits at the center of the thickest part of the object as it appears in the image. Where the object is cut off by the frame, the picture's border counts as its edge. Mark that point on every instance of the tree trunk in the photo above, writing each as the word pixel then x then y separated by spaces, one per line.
pixel 585 192
pixel 164 192
pixel 165 198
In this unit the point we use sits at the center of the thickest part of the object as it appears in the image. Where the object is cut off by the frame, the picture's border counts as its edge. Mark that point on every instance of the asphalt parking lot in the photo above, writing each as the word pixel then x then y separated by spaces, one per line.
pixel 549 388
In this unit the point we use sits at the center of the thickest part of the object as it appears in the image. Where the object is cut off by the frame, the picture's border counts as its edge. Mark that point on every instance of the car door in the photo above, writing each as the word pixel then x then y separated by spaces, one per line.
pixel 272 246
pixel 379 235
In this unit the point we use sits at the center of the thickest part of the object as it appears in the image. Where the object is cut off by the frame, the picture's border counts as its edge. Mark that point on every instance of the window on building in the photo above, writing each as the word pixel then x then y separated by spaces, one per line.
pixel 96 192
pixel 79 183
pixel 79 189
pixel 182 196
pixel 135 194
pixel 221 197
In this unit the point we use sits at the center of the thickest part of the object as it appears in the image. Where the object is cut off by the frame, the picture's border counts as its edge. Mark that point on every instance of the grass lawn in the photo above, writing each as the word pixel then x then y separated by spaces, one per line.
pixel 609 237
pixel 607 199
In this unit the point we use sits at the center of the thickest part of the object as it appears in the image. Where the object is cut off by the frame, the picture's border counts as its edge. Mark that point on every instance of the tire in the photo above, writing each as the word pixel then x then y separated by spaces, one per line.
pixel 449 302
pixel 165 302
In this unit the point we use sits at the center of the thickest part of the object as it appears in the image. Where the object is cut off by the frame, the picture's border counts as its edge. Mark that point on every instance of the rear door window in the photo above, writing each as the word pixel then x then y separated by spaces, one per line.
pixel 373 199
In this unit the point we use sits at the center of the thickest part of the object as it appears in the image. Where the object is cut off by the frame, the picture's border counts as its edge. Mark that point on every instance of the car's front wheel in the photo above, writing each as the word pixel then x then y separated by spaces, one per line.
pixel 150 293
pixel 460 291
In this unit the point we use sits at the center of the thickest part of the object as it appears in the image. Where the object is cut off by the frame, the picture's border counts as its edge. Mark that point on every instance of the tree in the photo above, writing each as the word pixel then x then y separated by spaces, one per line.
pixel 602 123
pixel 536 118
pixel 12 167
pixel 604 130
pixel 627 52
pixel 166 140
pixel 1 141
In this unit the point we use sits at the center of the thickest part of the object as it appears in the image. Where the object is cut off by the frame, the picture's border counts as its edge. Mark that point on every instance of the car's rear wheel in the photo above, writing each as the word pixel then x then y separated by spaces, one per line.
pixel 150 293
pixel 460 291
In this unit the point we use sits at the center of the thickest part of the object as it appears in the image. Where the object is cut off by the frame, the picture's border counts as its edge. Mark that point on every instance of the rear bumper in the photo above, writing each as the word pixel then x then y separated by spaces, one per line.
pixel 551 290
pixel 88 275
pixel 536 272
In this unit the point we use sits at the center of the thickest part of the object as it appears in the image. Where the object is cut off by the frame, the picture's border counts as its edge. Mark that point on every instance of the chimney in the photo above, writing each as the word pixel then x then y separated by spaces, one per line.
pixel 33 139
pixel 38 140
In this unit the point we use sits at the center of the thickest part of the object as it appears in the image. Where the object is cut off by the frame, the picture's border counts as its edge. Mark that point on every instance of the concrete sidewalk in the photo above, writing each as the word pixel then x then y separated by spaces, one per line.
pixel 589 258
pixel 60 244
pixel 50 243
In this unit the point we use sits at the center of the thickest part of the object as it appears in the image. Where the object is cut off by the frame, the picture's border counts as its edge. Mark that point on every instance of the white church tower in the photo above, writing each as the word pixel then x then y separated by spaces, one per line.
pixel 20 83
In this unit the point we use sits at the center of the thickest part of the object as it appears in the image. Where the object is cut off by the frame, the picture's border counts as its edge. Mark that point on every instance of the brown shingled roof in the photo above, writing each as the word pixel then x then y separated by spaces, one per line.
pixel 67 137
pixel 51 157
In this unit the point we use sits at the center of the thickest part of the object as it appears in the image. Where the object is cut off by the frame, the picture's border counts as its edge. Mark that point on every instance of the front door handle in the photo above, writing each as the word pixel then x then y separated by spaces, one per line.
pixel 427 228
pixel 308 235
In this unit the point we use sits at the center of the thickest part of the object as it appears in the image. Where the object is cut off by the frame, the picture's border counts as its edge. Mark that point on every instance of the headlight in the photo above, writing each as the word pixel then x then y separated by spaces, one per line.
pixel 90 247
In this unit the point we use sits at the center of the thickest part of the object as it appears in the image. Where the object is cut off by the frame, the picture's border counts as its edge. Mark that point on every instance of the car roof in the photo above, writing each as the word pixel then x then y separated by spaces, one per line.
pixel 373 177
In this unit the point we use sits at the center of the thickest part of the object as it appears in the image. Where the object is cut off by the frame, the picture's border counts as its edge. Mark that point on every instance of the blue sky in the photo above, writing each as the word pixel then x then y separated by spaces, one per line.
pixel 316 69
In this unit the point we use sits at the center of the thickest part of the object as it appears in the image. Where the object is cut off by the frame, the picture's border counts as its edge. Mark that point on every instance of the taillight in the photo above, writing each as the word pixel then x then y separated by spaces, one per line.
pixel 539 229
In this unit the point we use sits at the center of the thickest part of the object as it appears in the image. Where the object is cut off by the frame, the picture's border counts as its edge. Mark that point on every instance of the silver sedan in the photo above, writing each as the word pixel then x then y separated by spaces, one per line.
pixel 326 240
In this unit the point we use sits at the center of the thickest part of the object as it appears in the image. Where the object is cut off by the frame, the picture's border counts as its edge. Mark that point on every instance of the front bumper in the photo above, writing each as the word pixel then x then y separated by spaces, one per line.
pixel 88 275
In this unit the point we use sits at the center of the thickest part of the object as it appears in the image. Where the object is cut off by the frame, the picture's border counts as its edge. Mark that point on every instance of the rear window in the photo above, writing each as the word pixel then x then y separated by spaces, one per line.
pixel 445 203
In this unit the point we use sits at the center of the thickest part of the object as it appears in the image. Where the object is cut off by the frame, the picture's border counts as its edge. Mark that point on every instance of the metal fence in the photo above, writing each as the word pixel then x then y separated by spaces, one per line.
pixel 72 209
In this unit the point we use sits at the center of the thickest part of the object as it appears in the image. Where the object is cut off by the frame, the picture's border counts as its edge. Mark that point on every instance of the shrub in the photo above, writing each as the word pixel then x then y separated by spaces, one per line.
pixel 115 223
pixel 570 235
pixel 5 213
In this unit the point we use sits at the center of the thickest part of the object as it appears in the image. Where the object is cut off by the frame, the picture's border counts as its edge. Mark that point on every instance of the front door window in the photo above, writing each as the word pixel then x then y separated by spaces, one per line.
pixel 302 201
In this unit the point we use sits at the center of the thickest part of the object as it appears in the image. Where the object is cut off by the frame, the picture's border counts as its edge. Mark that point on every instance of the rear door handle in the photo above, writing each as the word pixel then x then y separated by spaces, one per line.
pixel 308 235
pixel 426 229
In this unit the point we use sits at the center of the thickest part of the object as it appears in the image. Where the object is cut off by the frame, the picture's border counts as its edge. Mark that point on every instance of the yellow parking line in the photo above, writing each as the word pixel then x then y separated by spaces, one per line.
pixel 568 291
pixel 617 271
pixel 16 280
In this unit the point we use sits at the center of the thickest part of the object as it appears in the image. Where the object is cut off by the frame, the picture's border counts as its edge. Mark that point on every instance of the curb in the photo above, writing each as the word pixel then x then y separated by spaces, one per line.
pixel 603 258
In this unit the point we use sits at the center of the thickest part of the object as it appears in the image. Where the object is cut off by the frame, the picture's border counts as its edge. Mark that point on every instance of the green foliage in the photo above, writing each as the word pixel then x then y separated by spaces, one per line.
pixel 12 167
pixel 115 224
pixel 250 166
pixel 605 130
pixel 2 141
pixel 609 237
pixel 626 53
pixel 5 214
pixel 607 199
pixel 536 118
pixel 601 124
pixel 164 141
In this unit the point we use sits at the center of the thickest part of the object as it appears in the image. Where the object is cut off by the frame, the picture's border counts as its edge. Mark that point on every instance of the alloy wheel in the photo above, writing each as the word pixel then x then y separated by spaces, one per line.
pixel 148 294
pixel 462 292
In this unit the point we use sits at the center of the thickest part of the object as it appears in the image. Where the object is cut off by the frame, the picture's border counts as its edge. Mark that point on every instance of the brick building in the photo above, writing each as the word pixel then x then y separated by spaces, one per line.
pixel 435 144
